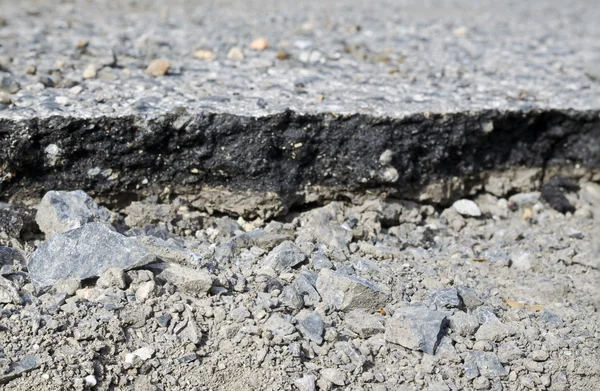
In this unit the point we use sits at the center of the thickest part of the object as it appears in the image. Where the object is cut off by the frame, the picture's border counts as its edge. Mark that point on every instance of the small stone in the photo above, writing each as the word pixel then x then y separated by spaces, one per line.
pixel 461 31
pixel 305 285
pixel 84 252
pixel 259 44
pixel 158 67
pixel 310 324
pixel 188 358
pixel 509 352
pixel 204 54
pixel 239 314
pixel 90 380
pixel 82 44
pixel 163 320
pixel 144 290
pixel 483 363
pixel 113 277
pixel 5 98
pixel 522 200
pixel 279 326
pixel 53 154
pixel 235 53
pixel 346 293
pixel 31 70
pixel 386 157
pixel 9 84
pixel 61 211
pixel 492 331
pixel 334 376
pixel 364 324
pixel 534 366
pixel 191 332
pixel 187 280
pixel 143 354
pixel 481 383
pixel 282 55
pixel 540 355
pixel 284 257
pixel 306 383
pixel 416 328
pixel 446 299
pixel 62 100
pixel 559 381
pixel 8 292
pixel 68 286
pixel 527 382
pixel 522 260
pixel 90 71
pixel 464 324
pixel 390 175
pixel 467 208
pixel 469 297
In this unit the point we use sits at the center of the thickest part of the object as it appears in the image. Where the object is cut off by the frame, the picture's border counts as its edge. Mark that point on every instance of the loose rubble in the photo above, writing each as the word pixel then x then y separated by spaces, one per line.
pixel 159 295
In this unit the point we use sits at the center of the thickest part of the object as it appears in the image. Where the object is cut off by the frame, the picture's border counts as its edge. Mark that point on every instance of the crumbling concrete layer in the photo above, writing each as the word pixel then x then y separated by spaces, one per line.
pixel 285 154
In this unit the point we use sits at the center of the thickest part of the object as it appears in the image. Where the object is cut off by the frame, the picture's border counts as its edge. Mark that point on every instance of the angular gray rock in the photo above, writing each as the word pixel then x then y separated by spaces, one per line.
pixel 416 328
pixel 61 211
pixel 284 257
pixel 11 260
pixel 8 292
pixel 334 376
pixel 305 284
pixel 279 326
pixel 485 364
pixel 84 252
pixel 113 277
pixel 18 368
pixel 446 299
pixel 346 293
pixel 463 324
pixel 363 323
pixel 186 279
pixel 493 331
pixel 168 251
pixel 306 383
pixel 310 324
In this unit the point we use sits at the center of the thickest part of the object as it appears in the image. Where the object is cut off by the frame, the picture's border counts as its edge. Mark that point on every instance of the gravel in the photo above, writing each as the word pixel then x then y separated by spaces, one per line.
pixel 386 312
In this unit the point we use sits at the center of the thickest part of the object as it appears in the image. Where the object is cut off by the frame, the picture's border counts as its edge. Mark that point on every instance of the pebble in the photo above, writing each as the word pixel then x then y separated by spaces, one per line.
pixel 62 100
pixel 540 355
pixel 306 383
pixel 467 208
pixel 204 54
pixel 346 293
pixel 158 67
pixel 90 381
pixel 235 53
pixel 5 98
pixel 90 71
pixel 9 84
pixel 259 44
pixel 416 328
pixel 334 375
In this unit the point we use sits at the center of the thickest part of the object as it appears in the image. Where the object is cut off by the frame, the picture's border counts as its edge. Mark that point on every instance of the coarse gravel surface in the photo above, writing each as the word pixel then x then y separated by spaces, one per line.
pixel 383 295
